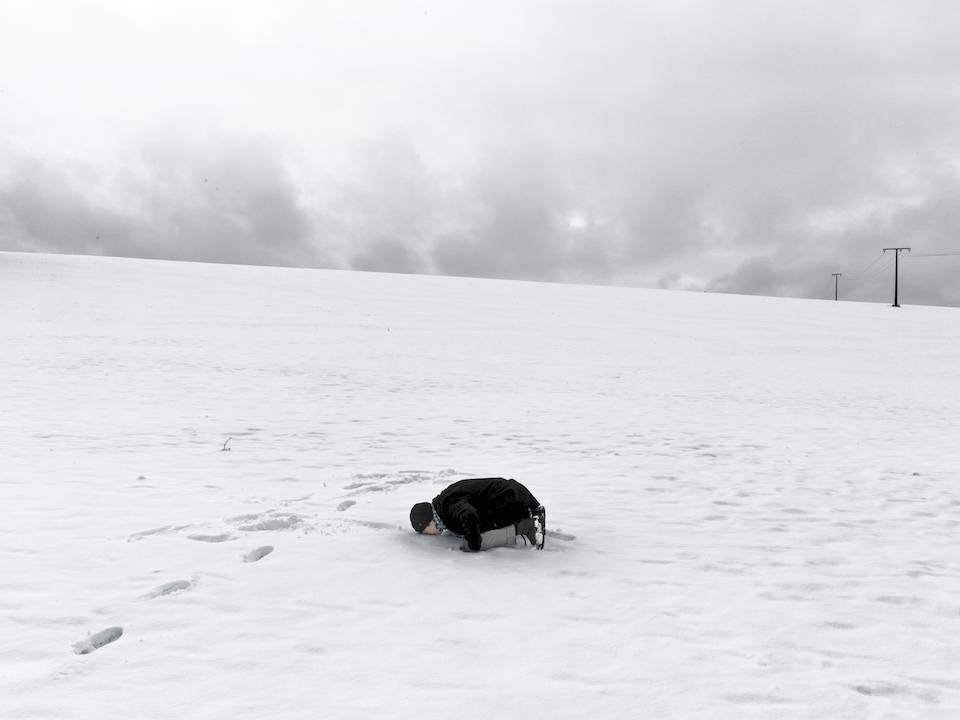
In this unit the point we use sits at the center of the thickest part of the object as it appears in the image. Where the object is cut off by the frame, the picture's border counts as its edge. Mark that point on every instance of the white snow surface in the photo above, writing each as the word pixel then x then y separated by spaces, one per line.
pixel 758 498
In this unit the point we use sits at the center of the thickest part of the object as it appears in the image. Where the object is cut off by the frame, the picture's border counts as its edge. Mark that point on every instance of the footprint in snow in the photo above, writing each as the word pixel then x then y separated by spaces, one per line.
pixel 346 504
pixel 889 689
pixel 374 525
pixel 222 537
pixel 164 530
pixel 258 554
pixel 279 521
pixel 168 589
pixel 356 485
pixel 243 518
pixel 97 640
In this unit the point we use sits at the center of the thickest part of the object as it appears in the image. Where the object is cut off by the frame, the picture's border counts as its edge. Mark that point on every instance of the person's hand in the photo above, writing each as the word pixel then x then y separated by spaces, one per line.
pixel 472 535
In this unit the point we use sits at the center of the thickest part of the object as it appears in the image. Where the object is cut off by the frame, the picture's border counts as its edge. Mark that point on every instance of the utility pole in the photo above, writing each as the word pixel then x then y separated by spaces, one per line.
pixel 896 271
pixel 836 284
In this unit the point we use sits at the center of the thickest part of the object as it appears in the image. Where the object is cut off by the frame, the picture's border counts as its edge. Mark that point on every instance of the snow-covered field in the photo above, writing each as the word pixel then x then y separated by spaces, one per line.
pixel 757 498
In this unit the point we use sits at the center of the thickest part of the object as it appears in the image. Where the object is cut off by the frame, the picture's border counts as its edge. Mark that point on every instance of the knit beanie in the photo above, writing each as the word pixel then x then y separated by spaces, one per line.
pixel 421 515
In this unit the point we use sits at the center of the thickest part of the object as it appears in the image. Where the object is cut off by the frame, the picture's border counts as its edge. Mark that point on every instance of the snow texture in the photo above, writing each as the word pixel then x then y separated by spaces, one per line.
pixel 753 502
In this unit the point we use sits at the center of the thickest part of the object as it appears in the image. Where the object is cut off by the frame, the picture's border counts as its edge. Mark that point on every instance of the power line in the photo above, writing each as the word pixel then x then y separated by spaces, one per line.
pixel 877 271
pixel 880 270
pixel 869 272
pixel 868 266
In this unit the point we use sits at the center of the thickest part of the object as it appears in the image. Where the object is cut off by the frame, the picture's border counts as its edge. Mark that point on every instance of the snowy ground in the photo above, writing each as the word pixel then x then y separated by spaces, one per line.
pixel 759 498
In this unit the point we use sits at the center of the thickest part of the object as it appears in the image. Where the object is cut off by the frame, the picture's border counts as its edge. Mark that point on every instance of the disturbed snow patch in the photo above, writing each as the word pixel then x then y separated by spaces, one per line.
pixel 97 640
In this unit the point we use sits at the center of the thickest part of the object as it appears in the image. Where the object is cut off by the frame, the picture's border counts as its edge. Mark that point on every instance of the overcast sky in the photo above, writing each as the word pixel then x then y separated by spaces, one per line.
pixel 751 146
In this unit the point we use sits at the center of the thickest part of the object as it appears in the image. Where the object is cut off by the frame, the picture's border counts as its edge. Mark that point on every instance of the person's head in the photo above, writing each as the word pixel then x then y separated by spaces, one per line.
pixel 421 517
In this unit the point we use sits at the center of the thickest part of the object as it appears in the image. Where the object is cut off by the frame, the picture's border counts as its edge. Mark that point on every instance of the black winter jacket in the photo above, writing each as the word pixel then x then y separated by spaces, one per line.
pixel 470 507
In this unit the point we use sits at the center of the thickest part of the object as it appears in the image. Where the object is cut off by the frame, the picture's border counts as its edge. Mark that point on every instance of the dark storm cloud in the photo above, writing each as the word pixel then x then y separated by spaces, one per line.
pixel 173 200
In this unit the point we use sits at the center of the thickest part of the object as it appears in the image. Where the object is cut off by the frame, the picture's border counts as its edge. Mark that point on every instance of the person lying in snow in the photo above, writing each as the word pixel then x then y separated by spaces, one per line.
pixel 486 512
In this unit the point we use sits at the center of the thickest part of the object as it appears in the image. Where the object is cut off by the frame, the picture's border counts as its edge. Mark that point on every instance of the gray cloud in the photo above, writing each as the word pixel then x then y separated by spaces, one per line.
pixel 387 255
pixel 43 210
pixel 389 210
pixel 747 147
pixel 173 200
pixel 756 276
pixel 511 225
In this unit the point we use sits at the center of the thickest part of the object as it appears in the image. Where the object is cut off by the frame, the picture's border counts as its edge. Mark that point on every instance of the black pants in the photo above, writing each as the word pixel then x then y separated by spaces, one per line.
pixel 513 505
